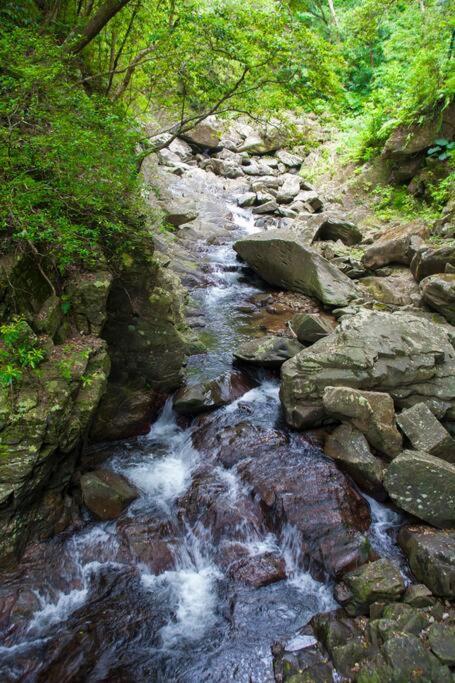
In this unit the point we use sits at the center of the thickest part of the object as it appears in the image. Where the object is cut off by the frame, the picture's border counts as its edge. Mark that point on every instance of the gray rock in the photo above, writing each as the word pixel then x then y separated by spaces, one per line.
pixel 396 245
pixel 369 411
pixel 246 199
pixel 348 446
pixel 418 595
pixel 266 182
pixel 398 289
pixel 198 398
pixel 289 189
pixel 264 197
pixel 310 327
pixel 282 259
pixel 268 207
pixel 406 355
pixel 424 486
pixel 442 642
pixel 106 493
pixel 332 228
pixel 429 261
pixel 438 292
pixel 268 351
pixel 379 581
pixel 431 556
pixel 426 433
pixel 205 135
pixel 180 210
pixel 288 159
pixel 309 197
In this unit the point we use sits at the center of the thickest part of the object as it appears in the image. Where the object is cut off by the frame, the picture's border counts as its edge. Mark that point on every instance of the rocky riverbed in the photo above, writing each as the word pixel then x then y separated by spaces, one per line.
pixel 289 516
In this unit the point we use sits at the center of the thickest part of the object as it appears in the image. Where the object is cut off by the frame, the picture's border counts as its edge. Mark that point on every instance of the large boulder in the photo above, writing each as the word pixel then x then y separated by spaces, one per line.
pixel 269 352
pixel 288 159
pixel 426 433
pixel 349 448
pixel 371 412
pixel 398 289
pixel 106 493
pixel 282 259
pixel 306 497
pixel 332 228
pixel 428 261
pixel 41 428
pixel 424 486
pixel 396 245
pixel 379 581
pixel 438 292
pixel 431 556
pixel 310 327
pixel 205 135
pixel 289 189
pixel 405 355
pixel 197 398
pixel 87 294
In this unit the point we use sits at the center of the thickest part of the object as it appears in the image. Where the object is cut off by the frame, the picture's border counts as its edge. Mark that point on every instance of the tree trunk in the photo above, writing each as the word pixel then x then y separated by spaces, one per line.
pixel 95 25
pixel 333 13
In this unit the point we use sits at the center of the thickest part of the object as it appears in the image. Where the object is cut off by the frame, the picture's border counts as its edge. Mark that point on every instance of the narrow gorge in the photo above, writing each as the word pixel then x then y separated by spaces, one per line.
pixel 241 463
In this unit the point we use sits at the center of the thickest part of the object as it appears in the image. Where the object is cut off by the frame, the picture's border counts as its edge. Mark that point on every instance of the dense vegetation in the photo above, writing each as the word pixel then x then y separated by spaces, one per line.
pixel 79 79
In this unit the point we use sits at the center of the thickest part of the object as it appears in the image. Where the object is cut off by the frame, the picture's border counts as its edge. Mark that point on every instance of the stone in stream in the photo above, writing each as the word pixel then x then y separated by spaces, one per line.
pixel 310 327
pixel 246 199
pixel 197 398
pixel 424 486
pixel 426 433
pixel 438 292
pixel 371 412
pixel 307 495
pixel 399 353
pixel 418 595
pixel 258 570
pixel 180 211
pixel 268 207
pixel 349 448
pixel 269 351
pixel 396 245
pixel 106 493
pixel 282 259
pixel 429 261
pixel 378 581
pixel 431 556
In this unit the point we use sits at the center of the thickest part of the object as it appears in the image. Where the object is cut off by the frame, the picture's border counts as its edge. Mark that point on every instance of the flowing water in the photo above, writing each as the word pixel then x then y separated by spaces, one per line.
pixel 149 597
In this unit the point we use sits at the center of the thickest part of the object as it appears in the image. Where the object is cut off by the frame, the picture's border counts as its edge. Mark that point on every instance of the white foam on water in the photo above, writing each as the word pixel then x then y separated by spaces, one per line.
pixel 383 520
pixel 161 480
pixel 267 392
pixel 51 613
pixel 244 219
pixel 291 548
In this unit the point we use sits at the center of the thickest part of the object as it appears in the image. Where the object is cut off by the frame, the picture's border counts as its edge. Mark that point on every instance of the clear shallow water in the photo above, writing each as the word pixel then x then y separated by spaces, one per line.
pixel 94 606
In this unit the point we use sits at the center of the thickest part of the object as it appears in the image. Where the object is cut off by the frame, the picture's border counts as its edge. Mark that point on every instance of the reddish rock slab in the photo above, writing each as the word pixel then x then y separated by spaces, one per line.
pixel 301 487
pixel 259 570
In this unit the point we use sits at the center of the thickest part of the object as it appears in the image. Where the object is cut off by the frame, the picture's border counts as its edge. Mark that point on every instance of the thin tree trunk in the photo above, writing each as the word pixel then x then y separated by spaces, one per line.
pixel 333 13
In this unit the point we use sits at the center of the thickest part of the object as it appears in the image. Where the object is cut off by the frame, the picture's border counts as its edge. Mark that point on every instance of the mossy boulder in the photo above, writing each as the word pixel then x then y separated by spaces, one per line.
pixel 431 556
pixel 106 493
pixel 270 351
pixel 376 581
pixel 424 486
pixel 42 424
pixel 438 292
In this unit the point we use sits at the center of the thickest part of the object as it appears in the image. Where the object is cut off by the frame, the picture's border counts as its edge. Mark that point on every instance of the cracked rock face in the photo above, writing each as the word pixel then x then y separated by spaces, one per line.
pixel 405 355
pixel 282 258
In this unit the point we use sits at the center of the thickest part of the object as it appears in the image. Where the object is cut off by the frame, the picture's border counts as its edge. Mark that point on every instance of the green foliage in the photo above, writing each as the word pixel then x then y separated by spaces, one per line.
pixel 68 181
pixel 19 351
